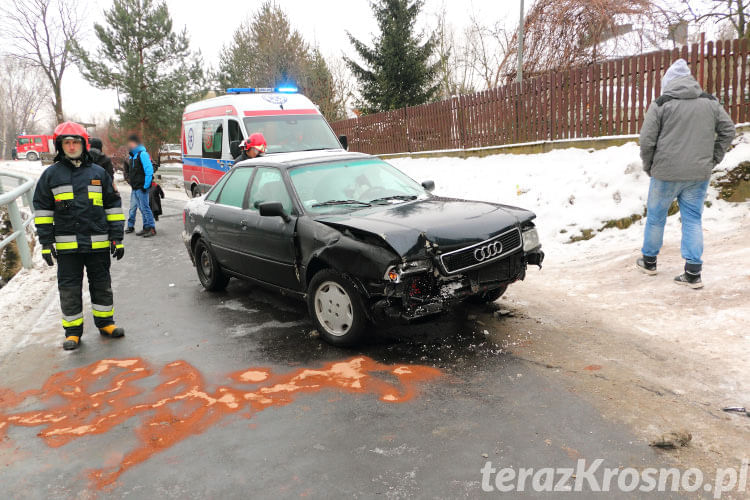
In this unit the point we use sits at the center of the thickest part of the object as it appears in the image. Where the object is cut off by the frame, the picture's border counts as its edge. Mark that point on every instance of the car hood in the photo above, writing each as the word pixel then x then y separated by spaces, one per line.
pixel 445 223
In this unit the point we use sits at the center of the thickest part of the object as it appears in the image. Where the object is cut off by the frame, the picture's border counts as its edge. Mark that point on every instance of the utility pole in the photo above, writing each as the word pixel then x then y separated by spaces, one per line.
pixel 519 72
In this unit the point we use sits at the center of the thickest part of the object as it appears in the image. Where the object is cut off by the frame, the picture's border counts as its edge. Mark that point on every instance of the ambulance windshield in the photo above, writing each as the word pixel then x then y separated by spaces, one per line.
pixel 293 132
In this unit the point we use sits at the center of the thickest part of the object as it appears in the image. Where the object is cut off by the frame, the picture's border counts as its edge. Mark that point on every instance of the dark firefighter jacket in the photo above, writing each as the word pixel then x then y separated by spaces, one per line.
pixel 76 208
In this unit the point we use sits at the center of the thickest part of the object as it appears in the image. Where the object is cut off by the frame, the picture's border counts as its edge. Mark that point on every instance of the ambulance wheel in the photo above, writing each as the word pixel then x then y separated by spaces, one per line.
pixel 210 274
pixel 32 156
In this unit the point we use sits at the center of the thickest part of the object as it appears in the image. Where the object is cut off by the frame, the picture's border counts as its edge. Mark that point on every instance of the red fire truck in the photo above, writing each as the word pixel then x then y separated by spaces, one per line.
pixel 31 147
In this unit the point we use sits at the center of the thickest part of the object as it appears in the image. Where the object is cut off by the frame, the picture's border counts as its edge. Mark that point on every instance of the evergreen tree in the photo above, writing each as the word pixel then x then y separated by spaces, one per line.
pixel 397 70
pixel 151 67
pixel 266 51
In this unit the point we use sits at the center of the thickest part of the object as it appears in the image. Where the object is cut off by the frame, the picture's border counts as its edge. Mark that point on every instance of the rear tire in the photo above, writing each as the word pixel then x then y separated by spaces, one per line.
pixel 337 308
pixel 195 191
pixel 210 274
pixel 32 156
pixel 487 297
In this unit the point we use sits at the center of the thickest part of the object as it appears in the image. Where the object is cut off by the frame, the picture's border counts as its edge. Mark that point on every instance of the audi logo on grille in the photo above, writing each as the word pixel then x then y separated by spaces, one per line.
pixel 488 251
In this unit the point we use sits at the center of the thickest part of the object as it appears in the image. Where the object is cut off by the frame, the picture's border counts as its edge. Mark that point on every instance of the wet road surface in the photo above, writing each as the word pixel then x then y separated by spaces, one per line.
pixel 231 395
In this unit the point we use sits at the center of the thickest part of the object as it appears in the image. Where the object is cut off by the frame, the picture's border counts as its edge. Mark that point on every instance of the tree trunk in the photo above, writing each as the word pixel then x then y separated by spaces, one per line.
pixel 57 104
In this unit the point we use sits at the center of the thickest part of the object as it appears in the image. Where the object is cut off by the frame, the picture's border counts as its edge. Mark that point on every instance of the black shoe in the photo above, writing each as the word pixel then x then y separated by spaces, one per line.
pixel 691 277
pixel 691 280
pixel 142 232
pixel 647 265
pixel 149 232
pixel 129 230
pixel 71 343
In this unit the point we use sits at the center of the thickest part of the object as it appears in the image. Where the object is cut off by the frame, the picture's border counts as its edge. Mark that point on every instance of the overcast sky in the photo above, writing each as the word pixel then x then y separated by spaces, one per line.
pixel 325 22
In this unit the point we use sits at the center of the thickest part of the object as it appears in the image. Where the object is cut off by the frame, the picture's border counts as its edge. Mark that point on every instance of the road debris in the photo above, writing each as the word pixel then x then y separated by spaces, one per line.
pixel 671 440
pixel 736 409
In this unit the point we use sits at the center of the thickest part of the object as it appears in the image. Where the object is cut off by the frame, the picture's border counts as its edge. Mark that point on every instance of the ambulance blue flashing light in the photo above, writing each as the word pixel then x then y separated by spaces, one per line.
pixel 263 90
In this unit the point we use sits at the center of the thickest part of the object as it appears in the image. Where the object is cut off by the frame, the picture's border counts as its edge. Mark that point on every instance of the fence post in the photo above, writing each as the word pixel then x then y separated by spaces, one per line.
pixel 16 223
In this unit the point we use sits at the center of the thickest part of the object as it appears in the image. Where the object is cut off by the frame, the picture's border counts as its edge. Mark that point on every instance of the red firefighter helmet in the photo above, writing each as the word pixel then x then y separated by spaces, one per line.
pixel 256 141
pixel 70 129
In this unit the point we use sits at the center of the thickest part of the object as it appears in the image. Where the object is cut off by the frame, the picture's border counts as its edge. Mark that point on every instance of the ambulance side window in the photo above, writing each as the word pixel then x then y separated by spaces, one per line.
pixel 235 132
pixel 213 134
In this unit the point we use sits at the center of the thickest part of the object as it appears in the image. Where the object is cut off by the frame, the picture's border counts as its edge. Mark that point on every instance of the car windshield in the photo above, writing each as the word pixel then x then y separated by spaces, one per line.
pixel 353 184
pixel 287 133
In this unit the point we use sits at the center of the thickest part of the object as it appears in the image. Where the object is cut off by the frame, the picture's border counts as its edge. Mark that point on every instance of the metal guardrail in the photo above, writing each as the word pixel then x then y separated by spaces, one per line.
pixel 24 189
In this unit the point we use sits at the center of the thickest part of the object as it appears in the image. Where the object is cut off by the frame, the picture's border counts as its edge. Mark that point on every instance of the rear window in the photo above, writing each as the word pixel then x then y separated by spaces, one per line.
pixel 287 133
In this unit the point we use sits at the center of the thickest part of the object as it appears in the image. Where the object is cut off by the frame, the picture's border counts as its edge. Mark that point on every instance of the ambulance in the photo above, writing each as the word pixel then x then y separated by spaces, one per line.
pixel 213 129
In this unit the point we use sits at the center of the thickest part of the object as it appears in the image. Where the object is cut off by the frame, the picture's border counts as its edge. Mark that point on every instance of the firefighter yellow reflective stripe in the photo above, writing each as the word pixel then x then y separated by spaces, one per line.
pixel 44 217
pixel 100 311
pixel 46 250
pixel 99 241
pixel 96 198
pixel 120 246
pixel 70 321
pixel 115 217
pixel 66 242
pixel 62 193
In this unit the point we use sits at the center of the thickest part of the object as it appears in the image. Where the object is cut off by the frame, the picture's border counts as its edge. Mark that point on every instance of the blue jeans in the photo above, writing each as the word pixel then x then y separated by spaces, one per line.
pixel 139 200
pixel 690 195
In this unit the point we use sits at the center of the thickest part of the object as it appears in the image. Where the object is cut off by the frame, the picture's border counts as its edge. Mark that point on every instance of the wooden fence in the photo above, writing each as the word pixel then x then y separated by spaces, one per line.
pixel 603 99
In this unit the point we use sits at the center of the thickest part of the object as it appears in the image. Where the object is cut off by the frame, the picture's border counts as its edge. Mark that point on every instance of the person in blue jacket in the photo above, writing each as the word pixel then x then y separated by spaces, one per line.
pixel 140 175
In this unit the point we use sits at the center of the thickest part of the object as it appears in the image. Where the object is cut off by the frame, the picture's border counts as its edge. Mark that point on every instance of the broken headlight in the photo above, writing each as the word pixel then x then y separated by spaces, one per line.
pixel 530 239
pixel 395 273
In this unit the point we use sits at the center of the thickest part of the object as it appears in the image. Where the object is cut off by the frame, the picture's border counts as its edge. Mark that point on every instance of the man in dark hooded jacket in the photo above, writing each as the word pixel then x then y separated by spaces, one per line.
pixel 97 156
pixel 684 135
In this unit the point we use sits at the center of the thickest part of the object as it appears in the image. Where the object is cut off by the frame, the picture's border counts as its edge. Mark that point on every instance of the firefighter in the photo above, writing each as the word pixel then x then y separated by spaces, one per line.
pixel 79 220
pixel 252 147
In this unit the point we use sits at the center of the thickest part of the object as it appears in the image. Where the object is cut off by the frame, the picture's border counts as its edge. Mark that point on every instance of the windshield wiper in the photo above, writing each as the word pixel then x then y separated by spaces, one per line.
pixel 342 202
pixel 402 197
pixel 315 149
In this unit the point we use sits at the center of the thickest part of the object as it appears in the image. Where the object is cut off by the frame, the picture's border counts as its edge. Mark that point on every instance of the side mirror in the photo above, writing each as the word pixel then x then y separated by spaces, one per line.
pixel 234 148
pixel 344 142
pixel 273 209
pixel 429 185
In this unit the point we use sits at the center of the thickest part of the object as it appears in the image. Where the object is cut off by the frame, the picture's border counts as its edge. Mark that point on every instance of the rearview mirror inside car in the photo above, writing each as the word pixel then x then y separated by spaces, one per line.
pixel 234 148
pixel 273 209
pixel 429 185
pixel 344 142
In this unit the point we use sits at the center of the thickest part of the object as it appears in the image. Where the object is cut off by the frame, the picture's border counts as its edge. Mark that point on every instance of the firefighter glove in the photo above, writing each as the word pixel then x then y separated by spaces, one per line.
pixel 117 249
pixel 48 252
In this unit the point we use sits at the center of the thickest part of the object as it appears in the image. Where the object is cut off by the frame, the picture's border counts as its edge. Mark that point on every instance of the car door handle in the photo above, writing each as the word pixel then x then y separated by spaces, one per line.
pixel 243 223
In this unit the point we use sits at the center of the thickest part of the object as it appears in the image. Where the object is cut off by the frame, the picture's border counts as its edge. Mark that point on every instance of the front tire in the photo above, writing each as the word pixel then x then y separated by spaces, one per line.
pixel 32 156
pixel 210 274
pixel 336 307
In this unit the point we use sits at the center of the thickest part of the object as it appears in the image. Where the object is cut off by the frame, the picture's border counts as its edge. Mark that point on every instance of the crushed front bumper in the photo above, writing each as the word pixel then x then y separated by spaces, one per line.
pixel 430 293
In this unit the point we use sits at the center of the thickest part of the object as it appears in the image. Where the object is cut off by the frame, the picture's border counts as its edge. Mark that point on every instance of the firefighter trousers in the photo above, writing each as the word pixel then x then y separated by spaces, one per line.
pixel 70 268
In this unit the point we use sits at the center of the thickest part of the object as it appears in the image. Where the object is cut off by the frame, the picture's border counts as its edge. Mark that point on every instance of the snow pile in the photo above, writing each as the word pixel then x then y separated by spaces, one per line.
pixel 569 189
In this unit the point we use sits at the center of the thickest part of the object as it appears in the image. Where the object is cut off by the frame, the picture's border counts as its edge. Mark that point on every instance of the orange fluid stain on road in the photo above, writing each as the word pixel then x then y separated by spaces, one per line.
pixel 97 398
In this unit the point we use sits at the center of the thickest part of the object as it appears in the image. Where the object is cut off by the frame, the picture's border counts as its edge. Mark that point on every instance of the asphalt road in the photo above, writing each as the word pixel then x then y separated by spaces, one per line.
pixel 230 395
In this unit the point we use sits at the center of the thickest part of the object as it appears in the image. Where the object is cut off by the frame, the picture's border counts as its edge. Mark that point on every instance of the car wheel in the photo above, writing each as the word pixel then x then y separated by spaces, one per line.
pixel 488 296
pixel 336 307
pixel 32 156
pixel 212 277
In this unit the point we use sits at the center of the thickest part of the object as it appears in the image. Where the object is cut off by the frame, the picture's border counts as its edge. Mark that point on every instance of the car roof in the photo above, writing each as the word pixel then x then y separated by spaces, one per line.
pixel 239 105
pixel 297 158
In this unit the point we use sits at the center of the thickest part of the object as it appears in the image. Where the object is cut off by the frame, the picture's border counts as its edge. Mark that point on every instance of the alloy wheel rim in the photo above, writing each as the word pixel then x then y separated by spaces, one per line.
pixel 333 308
pixel 206 266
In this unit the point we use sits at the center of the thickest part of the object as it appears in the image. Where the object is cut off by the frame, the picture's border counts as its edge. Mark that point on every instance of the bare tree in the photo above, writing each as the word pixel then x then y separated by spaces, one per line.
pixel 491 48
pixel 736 12
pixel 40 32
pixel 23 91
pixel 455 69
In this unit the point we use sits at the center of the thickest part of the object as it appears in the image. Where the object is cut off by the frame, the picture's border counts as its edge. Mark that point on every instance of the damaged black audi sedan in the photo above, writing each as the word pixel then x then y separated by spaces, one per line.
pixel 355 238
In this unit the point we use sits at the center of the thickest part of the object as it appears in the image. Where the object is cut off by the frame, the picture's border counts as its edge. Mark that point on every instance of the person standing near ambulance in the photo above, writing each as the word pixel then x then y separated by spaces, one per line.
pixel 79 221
pixel 140 175
pixel 252 147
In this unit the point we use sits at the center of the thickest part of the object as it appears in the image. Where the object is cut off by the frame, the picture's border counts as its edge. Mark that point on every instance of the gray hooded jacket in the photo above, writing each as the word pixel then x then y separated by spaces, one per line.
pixel 686 135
